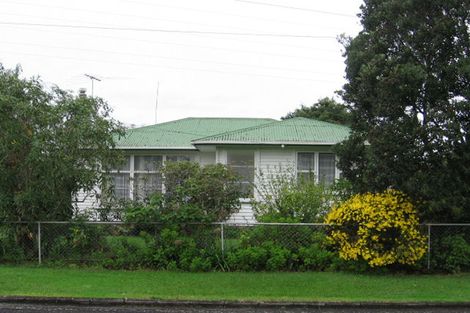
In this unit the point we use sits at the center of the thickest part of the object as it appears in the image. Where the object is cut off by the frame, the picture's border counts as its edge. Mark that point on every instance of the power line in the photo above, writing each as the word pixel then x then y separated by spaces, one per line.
pixel 159 42
pixel 259 18
pixel 296 8
pixel 140 17
pixel 161 30
pixel 81 60
pixel 107 52
pixel 242 40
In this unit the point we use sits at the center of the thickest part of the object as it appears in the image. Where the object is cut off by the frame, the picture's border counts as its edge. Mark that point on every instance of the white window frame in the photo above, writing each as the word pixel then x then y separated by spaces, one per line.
pixel 148 172
pixel 316 166
pixel 132 171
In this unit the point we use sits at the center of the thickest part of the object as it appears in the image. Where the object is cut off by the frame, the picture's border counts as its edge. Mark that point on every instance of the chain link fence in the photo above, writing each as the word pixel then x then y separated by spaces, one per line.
pixel 124 245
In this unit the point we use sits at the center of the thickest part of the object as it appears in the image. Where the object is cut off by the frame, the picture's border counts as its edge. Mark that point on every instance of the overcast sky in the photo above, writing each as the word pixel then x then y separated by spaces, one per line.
pixel 132 45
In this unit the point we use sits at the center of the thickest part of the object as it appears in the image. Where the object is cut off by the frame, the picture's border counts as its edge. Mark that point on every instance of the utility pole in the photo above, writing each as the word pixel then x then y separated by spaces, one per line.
pixel 156 102
pixel 92 78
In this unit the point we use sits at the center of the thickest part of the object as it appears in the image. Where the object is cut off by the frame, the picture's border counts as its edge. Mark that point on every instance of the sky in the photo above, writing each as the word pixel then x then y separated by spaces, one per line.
pixel 203 58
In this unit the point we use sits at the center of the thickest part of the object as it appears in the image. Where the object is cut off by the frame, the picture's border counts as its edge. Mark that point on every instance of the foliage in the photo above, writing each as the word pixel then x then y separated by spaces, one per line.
pixel 52 145
pixel 283 198
pixel 452 254
pixel 9 249
pixel 326 109
pixel 123 252
pixel 193 194
pixel 316 256
pixel 408 74
pixel 267 256
pixel 209 190
pixel 380 228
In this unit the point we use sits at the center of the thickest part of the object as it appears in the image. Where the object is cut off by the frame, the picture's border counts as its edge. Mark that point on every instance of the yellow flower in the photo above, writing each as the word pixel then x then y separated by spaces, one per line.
pixel 380 228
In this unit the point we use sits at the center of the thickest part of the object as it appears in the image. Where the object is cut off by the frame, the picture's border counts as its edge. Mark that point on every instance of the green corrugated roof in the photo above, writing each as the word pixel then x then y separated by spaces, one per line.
pixel 180 133
pixel 294 131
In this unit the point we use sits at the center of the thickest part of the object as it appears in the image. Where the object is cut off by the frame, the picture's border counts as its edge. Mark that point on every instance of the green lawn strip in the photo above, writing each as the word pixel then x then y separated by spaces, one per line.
pixel 31 281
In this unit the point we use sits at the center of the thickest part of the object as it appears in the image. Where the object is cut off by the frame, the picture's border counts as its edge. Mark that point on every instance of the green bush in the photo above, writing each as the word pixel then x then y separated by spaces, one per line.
pixel 266 257
pixel 452 254
pixel 283 198
pixel 210 193
pixel 316 256
pixel 10 251
pixel 123 252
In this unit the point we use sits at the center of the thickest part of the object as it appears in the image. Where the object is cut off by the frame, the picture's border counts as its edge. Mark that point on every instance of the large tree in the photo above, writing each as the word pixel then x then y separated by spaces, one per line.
pixel 408 74
pixel 325 109
pixel 52 144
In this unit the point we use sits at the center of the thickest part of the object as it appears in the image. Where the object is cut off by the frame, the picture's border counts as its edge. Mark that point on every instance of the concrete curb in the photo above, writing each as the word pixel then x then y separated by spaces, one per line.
pixel 227 304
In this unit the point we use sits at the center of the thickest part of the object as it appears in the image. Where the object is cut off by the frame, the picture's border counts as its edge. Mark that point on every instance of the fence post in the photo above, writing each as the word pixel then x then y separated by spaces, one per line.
pixel 429 246
pixel 39 243
pixel 222 244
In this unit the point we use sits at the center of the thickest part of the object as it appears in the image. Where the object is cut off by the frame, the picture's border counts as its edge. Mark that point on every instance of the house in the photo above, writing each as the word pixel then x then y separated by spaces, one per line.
pixel 248 145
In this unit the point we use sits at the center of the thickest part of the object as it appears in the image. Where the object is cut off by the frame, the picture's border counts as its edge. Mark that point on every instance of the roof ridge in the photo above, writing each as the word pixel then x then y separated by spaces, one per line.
pixel 316 120
pixel 266 125
pixel 159 124
pixel 194 118
pixel 236 130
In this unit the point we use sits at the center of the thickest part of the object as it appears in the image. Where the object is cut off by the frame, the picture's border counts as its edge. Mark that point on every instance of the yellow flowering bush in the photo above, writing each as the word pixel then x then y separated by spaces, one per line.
pixel 381 228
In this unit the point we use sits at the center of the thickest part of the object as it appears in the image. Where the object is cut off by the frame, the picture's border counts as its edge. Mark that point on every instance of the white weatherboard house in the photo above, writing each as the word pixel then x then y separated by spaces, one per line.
pixel 248 145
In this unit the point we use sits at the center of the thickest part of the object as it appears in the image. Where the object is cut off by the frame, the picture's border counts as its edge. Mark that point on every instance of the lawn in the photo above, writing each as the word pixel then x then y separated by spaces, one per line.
pixel 64 282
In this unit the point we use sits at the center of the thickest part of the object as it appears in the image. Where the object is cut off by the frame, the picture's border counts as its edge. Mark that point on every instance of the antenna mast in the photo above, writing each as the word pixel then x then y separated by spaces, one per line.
pixel 92 78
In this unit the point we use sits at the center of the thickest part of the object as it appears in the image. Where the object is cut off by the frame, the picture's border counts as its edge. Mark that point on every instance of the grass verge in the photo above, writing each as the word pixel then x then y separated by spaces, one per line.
pixel 64 282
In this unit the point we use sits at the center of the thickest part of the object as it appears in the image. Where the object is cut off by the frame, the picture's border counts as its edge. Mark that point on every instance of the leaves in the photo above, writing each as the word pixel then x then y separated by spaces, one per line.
pixel 52 145
pixel 408 88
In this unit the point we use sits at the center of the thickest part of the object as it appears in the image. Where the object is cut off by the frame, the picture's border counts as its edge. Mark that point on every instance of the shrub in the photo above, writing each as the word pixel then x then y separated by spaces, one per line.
pixel 380 228
pixel 284 198
pixel 10 251
pixel 211 191
pixel 316 257
pixel 267 256
pixel 125 252
pixel 452 254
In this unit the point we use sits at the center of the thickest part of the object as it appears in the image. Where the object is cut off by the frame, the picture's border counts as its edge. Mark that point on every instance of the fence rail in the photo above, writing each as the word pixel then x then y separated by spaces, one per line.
pixel 112 242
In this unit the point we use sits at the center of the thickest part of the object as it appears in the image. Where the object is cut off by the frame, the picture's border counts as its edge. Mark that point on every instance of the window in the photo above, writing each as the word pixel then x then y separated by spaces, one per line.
pixel 146 184
pixel 177 158
pixel 326 168
pixel 120 185
pixel 305 166
pixel 243 163
pixel 147 178
pixel 147 163
pixel 142 173
pixel 119 180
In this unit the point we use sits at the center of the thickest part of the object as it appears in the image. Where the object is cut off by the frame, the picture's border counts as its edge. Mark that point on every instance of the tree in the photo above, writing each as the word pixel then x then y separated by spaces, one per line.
pixel 408 74
pixel 52 145
pixel 326 109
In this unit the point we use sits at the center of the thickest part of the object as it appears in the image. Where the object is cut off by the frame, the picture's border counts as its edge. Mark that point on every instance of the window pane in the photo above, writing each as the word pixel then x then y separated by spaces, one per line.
pixel 147 163
pixel 146 184
pixel 242 163
pixel 120 185
pixel 305 177
pixel 306 161
pixel 177 158
pixel 241 158
pixel 125 165
pixel 327 166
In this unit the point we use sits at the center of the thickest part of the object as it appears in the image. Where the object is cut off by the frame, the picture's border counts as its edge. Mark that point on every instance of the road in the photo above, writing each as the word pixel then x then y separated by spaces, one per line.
pixel 40 308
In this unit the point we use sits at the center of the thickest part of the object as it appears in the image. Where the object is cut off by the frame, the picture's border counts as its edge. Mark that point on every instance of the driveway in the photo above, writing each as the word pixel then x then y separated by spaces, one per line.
pixel 39 308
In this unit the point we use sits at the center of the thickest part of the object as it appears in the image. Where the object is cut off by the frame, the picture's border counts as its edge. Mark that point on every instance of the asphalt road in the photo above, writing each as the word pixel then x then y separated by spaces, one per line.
pixel 39 308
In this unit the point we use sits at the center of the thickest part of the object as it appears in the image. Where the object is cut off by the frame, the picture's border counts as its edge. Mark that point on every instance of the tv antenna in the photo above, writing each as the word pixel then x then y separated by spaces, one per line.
pixel 92 78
